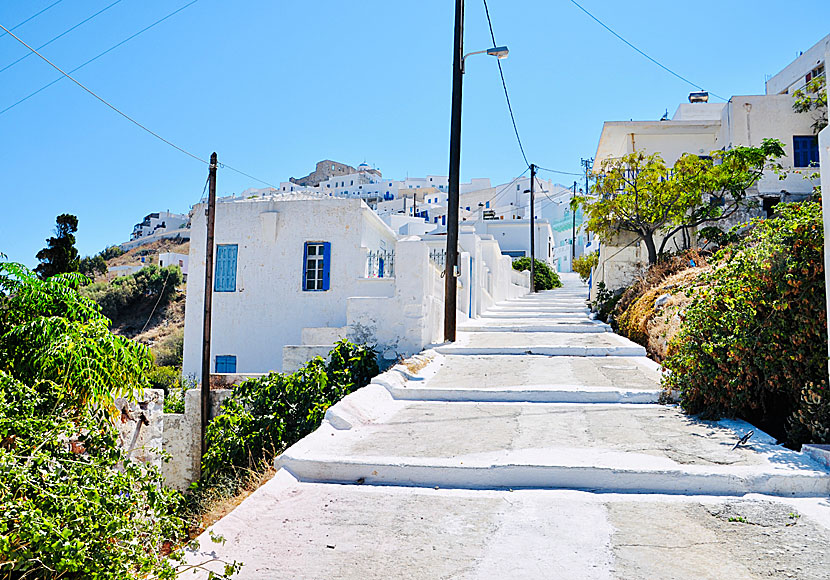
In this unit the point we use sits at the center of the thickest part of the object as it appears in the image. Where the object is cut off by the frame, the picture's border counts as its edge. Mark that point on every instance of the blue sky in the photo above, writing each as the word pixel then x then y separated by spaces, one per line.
pixel 274 86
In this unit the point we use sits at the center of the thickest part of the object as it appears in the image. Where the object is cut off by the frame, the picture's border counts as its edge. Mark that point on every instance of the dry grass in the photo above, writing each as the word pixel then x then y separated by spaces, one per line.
pixel 216 502
pixel 413 364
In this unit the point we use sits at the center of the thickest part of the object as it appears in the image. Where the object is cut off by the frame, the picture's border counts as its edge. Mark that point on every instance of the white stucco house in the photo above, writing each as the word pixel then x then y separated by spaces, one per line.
pixel 296 272
pixel 699 127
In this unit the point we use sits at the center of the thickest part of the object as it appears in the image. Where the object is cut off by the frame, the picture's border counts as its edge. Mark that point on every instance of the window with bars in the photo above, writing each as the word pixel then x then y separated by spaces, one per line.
pixel 224 279
pixel 316 266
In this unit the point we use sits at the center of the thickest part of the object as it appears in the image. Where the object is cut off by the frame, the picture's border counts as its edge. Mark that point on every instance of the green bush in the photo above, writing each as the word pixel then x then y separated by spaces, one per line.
pixel 754 340
pixel 544 278
pixel 72 506
pixel 266 415
pixel 606 302
pixel 584 264
pixel 169 352
pixel 149 286
pixel 164 378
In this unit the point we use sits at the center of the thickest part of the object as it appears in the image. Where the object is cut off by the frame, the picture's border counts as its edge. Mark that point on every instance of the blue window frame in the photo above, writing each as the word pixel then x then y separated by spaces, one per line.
pixel 316 266
pixel 805 150
pixel 224 279
pixel 487 205
pixel 226 363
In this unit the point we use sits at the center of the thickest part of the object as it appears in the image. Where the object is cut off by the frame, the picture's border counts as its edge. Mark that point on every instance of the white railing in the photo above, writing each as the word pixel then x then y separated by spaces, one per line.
pixel 380 264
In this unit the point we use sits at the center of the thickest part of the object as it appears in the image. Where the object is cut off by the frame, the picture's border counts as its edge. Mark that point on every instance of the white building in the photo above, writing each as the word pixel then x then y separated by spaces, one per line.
pixel 296 272
pixel 174 259
pixel 700 127
pixel 158 223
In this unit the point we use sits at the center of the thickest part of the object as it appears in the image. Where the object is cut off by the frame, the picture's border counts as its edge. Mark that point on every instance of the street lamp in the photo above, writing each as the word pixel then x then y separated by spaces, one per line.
pixel 451 266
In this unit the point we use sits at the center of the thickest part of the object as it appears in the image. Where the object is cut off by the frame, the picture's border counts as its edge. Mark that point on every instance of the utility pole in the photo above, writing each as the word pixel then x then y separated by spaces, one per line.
pixel 454 176
pixel 404 204
pixel 573 231
pixel 211 223
pixel 532 228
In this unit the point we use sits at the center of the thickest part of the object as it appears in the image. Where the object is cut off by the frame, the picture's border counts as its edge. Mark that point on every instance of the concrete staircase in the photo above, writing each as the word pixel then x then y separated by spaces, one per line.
pixel 533 446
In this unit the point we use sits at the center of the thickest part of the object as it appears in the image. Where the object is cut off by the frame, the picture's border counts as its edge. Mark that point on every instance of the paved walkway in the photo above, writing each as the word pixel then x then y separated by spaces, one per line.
pixel 533 447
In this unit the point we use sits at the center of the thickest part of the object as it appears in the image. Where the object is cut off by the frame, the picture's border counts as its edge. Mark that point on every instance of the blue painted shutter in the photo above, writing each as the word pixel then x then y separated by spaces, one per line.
pixel 305 266
pixel 226 364
pixel 326 264
pixel 224 279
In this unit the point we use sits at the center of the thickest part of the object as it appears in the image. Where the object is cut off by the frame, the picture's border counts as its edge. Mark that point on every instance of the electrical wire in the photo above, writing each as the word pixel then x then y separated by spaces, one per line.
pixel 15 27
pixel 560 172
pixel 64 33
pixel 662 66
pixel 517 178
pixel 94 58
pixel 504 84
pixel 113 107
pixel 116 109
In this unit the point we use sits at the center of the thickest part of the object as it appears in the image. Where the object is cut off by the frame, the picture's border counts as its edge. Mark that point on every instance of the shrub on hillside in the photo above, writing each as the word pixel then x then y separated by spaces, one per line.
pixel 266 415
pixel 754 340
pixel 544 277
pixel 147 287
pixel 169 351
pixel 584 264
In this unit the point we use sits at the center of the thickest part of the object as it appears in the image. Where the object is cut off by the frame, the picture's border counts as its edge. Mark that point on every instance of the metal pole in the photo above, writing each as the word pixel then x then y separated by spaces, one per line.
pixel 454 176
pixel 211 223
pixel 573 231
pixel 532 228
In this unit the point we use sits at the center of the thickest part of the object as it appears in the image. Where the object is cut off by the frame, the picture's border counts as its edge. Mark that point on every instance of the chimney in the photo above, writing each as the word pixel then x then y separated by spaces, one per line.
pixel 699 97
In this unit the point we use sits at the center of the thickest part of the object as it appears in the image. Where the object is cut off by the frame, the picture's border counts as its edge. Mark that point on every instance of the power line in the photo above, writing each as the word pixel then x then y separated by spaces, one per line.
pixel 113 107
pixel 120 112
pixel 557 171
pixel 503 189
pixel 15 27
pixel 665 68
pixel 504 84
pixel 93 59
pixel 28 54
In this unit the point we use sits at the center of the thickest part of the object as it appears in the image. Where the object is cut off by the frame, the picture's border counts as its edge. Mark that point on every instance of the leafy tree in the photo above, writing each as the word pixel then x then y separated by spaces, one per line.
pixel 73 505
pixel 584 264
pixel 813 99
pixel 111 252
pixel 60 255
pixel 92 265
pixel 639 194
pixel 544 277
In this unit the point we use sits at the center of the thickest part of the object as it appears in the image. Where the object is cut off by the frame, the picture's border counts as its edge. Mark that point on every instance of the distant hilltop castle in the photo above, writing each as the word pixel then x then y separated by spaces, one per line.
pixel 327 169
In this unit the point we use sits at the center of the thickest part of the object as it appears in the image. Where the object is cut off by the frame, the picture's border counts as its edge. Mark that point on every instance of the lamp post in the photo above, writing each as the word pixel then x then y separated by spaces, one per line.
pixel 451 268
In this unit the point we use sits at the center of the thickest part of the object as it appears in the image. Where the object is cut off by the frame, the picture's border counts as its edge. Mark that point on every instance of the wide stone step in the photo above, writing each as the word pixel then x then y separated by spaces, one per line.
pixel 577 316
pixel 549 343
pixel 532 309
pixel 532 325
pixel 289 529
pixel 530 378
pixel 623 448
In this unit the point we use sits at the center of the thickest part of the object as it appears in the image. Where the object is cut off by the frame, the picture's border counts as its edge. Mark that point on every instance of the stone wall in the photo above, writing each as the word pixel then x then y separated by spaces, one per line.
pixel 144 429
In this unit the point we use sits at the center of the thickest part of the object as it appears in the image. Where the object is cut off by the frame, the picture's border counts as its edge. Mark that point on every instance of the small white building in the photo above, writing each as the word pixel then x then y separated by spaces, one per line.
pixel 174 259
pixel 294 273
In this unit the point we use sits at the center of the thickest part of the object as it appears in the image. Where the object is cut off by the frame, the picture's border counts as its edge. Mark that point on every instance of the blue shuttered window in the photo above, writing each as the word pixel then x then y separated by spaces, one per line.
pixel 805 151
pixel 224 279
pixel 316 266
pixel 226 364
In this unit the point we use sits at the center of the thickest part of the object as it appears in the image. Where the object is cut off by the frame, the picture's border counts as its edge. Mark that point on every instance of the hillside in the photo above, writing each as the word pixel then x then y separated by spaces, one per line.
pixel 161 327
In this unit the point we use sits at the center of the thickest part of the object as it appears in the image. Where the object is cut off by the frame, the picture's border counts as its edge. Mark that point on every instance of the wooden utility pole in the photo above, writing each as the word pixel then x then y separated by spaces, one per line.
pixel 450 290
pixel 211 223
pixel 532 228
